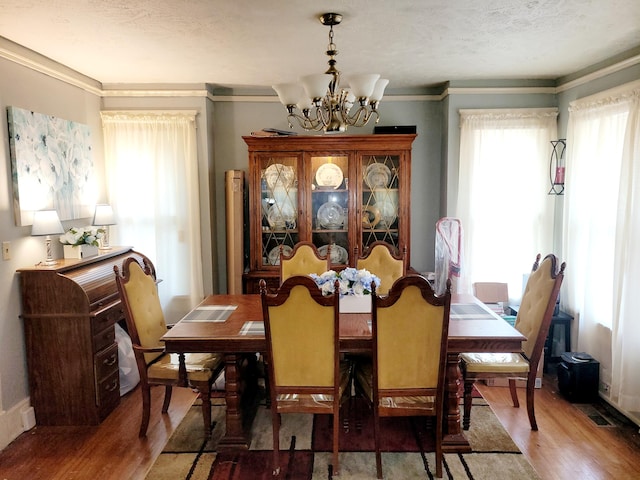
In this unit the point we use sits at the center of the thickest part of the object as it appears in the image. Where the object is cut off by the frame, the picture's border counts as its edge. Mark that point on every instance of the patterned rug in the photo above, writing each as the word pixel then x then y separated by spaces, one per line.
pixel 305 444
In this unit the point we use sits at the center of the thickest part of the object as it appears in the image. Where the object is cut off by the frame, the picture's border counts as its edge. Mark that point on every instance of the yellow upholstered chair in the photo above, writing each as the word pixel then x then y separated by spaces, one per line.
pixel 533 320
pixel 146 325
pixel 304 368
pixel 407 375
pixel 385 262
pixel 303 260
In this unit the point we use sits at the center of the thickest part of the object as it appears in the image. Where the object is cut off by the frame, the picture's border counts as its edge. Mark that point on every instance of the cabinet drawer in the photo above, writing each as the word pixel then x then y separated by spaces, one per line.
pixel 104 339
pixel 106 317
pixel 108 394
pixel 106 362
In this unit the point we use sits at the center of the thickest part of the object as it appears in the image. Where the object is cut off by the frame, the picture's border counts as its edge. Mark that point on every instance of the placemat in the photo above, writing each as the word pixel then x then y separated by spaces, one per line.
pixel 469 311
pixel 210 313
pixel 252 328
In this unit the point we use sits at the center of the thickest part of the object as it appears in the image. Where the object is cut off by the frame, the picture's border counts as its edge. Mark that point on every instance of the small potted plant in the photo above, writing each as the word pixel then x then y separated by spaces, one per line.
pixel 81 242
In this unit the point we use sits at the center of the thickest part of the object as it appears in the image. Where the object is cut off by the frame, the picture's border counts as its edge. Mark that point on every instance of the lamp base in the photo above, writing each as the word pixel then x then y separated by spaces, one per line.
pixel 49 263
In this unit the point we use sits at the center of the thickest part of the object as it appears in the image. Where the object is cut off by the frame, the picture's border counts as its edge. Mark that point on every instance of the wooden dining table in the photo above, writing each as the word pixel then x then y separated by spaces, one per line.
pixel 232 325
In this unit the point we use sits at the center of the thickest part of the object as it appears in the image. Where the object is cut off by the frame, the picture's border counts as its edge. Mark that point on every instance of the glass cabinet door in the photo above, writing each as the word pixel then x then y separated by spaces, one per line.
pixel 380 199
pixel 279 206
pixel 330 206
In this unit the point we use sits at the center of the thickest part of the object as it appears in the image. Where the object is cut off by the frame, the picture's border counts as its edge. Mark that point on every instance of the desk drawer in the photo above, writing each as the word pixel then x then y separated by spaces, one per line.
pixel 108 394
pixel 107 317
pixel 104 339
pixel 106 362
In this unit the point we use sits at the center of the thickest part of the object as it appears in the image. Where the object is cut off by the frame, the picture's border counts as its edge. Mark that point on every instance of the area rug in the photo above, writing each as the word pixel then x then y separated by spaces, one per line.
pixel 305 444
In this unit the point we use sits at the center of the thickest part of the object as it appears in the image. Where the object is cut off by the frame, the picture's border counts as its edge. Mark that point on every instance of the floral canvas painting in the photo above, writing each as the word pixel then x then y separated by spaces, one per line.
pixel 51 166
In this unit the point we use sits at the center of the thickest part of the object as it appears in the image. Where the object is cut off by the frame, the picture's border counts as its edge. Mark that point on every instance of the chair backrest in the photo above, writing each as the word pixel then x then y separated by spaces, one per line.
pixel 410 329
pixel 382 260
pixel 141 305
pixel 537 305
pixel 304 259
pixel 302 331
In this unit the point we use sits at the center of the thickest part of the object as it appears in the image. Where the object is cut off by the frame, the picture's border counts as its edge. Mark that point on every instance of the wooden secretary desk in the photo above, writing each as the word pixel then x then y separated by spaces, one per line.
pixel 346 191
pixel 69 311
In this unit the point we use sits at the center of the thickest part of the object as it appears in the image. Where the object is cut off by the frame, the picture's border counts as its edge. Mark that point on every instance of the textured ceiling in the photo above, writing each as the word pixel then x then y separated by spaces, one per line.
pixel 244 43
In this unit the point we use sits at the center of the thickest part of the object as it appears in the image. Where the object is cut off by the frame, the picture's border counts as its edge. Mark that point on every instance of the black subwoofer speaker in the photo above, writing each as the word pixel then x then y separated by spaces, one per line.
pixel 578 377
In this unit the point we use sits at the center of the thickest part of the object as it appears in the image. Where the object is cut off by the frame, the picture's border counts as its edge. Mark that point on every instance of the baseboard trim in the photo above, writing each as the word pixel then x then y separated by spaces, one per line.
pixel 11 422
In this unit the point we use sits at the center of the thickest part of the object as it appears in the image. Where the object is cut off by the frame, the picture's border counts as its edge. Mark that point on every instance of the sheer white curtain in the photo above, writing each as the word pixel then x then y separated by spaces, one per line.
pixel 503 202
pixel 602 235
pixel 152 184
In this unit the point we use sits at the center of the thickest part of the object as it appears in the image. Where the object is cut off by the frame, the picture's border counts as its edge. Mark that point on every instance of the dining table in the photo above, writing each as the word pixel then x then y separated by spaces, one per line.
pixel 232 325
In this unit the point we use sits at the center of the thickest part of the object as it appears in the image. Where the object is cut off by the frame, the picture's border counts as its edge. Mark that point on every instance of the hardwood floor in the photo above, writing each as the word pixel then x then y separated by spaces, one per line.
pixel 568 444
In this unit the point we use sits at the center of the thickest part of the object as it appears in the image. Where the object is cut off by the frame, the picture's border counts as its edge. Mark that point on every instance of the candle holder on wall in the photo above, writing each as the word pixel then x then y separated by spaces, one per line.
pixel 557 167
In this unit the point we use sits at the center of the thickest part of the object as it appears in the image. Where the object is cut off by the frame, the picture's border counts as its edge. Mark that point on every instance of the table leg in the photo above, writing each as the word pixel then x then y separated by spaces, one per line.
pixel 454 440
pixel 234 438
pixel 182 371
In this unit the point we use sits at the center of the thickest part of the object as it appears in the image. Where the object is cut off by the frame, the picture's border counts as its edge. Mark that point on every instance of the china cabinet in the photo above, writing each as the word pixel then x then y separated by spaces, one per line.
pixel 344 191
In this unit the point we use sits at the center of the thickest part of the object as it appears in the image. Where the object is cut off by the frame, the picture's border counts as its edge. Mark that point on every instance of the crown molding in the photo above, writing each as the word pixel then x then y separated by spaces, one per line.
pixel 602 72
pixel 28 58
pixel 22 56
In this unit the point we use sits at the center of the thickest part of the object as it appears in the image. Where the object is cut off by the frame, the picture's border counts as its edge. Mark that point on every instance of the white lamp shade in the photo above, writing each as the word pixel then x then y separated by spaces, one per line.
pixel 362 85
pixel 46 222
pixel 289 93
pixel 103 215
pixel 378 90
pixel 316 85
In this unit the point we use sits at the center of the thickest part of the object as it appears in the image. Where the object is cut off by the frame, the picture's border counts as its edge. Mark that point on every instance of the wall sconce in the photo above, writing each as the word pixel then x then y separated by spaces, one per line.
pixel 47 222
pixel 556 167
pixel 103 217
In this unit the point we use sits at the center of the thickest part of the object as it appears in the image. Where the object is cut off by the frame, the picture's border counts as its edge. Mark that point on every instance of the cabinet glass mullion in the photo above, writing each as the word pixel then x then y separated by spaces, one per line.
pixel 381 201
pixel 279 206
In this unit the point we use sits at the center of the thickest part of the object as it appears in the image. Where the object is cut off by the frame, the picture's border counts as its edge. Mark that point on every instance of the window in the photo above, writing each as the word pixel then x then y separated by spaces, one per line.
pixel 506 214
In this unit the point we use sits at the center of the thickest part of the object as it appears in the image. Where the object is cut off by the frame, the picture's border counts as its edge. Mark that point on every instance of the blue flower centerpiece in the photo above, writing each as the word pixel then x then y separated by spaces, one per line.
pixel 353 284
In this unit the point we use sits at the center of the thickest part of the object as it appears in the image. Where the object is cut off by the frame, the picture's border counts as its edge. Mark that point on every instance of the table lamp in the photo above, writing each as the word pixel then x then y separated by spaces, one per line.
pixel 46 222
pixel 103 217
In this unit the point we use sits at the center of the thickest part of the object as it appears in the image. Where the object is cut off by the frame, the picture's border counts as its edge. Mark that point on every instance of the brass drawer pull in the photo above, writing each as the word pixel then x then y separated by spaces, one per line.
pixel 110 361
pixel 112 387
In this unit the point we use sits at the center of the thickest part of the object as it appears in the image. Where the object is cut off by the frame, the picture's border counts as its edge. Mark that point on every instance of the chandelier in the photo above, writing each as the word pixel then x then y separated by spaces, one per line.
pixel 318 103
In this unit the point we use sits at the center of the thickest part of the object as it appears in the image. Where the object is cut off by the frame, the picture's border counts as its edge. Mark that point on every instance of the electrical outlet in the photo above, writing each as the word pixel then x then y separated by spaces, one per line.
pixel 6 250
pixel 604 387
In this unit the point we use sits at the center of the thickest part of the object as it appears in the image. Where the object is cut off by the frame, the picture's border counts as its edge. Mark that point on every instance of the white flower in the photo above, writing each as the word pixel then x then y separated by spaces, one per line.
pixel 82 236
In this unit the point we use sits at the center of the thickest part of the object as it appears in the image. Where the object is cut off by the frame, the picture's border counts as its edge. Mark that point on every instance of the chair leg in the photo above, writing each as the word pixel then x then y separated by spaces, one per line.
pixel 531 383
pixel 466 417
pixel 514 392
pixel 275 421
pixel 376 434
pixel 146 409
pixel 168 390
pixel 336 436
pixel 439 422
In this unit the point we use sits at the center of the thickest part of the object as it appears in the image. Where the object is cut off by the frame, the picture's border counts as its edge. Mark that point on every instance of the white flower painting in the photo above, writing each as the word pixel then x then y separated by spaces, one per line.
pixel 51 166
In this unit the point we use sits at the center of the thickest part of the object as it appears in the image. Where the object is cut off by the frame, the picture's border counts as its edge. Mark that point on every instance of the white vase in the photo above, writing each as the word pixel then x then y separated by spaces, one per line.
pixel 80 251
pixel 355 304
